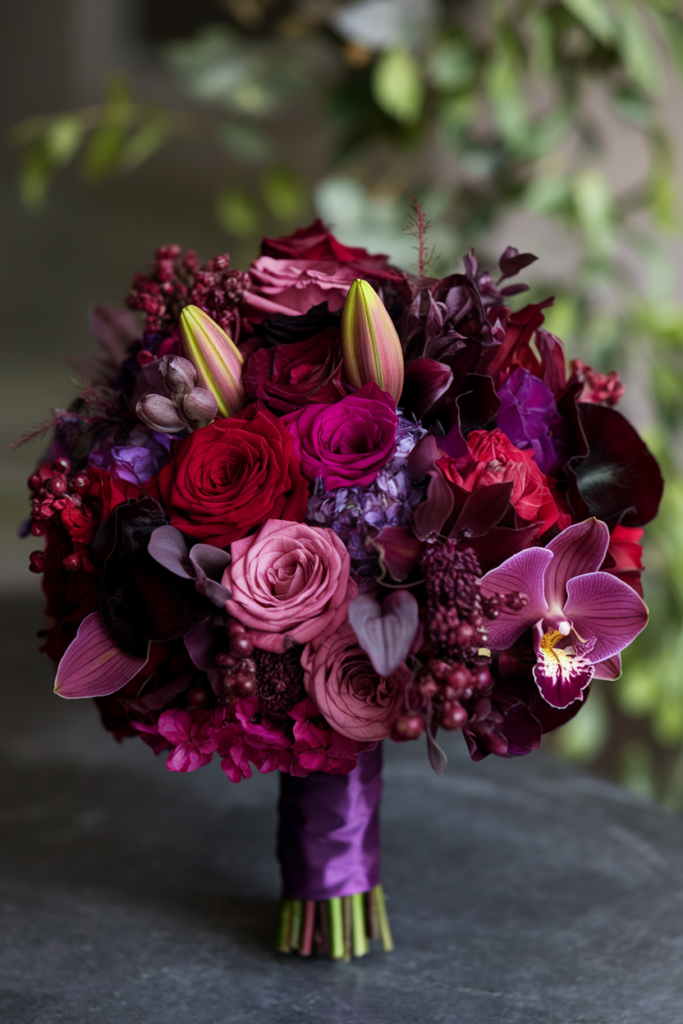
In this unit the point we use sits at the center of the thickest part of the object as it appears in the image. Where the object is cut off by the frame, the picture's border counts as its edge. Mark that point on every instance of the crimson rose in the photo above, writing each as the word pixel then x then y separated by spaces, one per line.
pixel 226 479
pixel 300 373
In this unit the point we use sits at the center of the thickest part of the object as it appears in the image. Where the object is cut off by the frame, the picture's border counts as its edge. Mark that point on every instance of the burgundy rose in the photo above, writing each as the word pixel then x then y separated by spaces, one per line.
pixel 288 377
pixel 352 697
pixel 307 268
pixel 347 443
pixel 230 477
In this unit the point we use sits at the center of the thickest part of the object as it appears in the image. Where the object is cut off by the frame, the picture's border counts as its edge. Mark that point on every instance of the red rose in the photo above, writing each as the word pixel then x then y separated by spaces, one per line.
pixel 109 490
pixel 226 479
pixel 493 459
pixel 288 377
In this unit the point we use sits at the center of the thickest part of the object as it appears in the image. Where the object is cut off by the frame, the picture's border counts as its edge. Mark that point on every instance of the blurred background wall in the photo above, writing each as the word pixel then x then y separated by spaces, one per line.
pixel 552 125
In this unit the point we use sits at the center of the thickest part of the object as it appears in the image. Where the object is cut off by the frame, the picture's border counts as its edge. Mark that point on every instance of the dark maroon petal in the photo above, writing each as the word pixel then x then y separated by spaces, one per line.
pixel 500 543
pixel 553 367
pixel 512 261
pixel 619 479
pixel 399 551
pixel 477 402
pixel 167 547
pixel 483 509
pixel 209 563
pixel 424 383
pixel 93 666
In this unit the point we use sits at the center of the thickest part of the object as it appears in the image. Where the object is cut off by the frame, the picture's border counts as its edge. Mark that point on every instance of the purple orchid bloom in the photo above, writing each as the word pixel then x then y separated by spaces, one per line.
pixel 581 618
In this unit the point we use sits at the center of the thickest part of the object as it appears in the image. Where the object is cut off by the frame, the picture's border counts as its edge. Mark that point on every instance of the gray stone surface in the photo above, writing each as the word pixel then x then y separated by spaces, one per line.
pixel 520 892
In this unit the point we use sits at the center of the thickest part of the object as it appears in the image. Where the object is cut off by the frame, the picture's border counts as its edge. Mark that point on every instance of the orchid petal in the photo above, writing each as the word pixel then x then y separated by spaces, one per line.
pixel 608 669
pixel 92 665
pixel 209 562
pixel 167 547
pixel 605 607
pixel 561 675
pixel 385 633
pixel 524 573
pixel 579 549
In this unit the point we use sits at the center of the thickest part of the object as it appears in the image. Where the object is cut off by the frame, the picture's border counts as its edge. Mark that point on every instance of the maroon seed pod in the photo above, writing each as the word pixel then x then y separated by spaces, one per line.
pixel 428 686
pixel 80 483
pixel 245 685
pixel 58 486
pixel 235 628
pixel 225 660
pixel 241 646
pixel 36 561
pixel 408 727
pixel 453 715
pixel 62 465
pixel 72 563
pixel 34 482
pixel 481 677
pixel 198 696
pixel 37 528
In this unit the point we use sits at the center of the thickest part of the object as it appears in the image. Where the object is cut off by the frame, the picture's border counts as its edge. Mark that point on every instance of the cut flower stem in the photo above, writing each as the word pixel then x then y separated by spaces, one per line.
pixel 342 927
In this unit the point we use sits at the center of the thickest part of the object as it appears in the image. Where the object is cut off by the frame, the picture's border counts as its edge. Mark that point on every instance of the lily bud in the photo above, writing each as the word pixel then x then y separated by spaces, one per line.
pixel 179 374
pixel 370 345
pixel 160 413
pixel 200 407
pixel 216 359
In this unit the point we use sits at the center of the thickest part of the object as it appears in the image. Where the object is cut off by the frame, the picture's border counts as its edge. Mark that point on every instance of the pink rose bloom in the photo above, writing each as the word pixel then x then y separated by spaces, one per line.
pixel 317 747
pixel 357 703
pixel 290 583
pixel 346 443
pixel 309 267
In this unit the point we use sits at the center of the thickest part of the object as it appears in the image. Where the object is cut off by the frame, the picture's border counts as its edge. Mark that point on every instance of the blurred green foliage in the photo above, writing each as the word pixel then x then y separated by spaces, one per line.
pixel 483 110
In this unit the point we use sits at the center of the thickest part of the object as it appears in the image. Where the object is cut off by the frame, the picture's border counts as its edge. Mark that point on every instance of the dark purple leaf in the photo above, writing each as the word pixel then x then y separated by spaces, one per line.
pixel 386 631
pixel 209 563
pixel 425 382
pixel 167 547
pixel 512 261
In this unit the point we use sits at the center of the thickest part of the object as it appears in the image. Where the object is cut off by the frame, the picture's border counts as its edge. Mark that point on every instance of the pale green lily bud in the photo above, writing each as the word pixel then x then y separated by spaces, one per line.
pixel 370 345
pixel 215 357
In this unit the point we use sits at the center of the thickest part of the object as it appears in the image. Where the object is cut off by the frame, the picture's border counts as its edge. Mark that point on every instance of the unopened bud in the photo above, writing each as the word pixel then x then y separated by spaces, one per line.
pixel 370 345
pixel 160 413
pixel 217 360
pixel 200 407
pixel 179 374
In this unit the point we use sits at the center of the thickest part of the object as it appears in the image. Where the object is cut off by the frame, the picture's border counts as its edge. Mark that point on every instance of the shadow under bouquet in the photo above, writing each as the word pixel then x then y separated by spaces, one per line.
pixel 305 508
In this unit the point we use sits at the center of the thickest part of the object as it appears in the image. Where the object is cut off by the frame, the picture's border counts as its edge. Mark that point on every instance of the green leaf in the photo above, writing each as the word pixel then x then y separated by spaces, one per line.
pixel 284 193
pixel 102 151
pixel 451 65
pixel 246 142
pixel 504 87
pixel 236 213
pixel 34 176
pixel 637 51
pixel 142 144
pixel 397 86
pixel 595 16
pixel 63 137
pixel 594 209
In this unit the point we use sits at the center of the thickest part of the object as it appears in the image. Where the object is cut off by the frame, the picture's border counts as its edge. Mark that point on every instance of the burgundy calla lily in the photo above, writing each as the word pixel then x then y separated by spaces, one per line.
pixel 581 618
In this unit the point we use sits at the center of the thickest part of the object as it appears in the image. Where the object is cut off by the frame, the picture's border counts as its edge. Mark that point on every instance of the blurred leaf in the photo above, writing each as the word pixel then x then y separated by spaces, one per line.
pixel 503 81
pixel 542 60
pixel 284 193
pixel 584 736
pixel 246 142
pixel 594 208
pixel 142 144
pixel 633 40
pixel 451 64
pixel 34 176
pixel 236 213
pixel 593 15
pixel 63 137
pixel 548 194
pixel 638 772
pixel 397 86
pixel 102 151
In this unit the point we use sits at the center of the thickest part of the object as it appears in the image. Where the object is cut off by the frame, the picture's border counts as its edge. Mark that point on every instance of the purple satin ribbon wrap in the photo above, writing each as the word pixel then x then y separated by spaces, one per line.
pixel 328 833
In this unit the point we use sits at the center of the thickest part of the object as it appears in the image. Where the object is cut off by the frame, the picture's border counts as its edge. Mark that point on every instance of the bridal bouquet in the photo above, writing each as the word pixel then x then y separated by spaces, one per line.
pixel 305 508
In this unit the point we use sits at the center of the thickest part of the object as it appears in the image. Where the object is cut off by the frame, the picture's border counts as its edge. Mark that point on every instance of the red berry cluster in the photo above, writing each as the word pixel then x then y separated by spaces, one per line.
pixel 176 279
pixel 55 490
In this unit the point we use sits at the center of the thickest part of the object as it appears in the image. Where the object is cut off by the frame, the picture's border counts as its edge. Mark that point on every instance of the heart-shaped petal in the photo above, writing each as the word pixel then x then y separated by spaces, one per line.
pixel 385 632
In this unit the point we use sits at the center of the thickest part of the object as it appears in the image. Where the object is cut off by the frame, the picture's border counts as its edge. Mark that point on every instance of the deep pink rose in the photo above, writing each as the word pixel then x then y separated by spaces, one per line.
pixel 288 377
pixel 290 584
pixel 339 677
pixel 307 268
pixel 346 443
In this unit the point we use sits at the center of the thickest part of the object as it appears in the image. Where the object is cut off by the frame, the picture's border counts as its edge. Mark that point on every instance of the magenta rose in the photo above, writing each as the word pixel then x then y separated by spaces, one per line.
pixel 346 443
pixel 352 697
pixel 290 584
pixel 307 268
pixel 288 377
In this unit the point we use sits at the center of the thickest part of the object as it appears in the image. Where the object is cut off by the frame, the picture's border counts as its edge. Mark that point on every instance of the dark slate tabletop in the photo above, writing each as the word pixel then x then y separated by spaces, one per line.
pixel 520 892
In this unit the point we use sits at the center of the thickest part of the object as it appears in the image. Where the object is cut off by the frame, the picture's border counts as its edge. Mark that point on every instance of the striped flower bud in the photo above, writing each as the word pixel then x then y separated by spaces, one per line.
pixel 160 413
pixel 370 345
pixel 215 357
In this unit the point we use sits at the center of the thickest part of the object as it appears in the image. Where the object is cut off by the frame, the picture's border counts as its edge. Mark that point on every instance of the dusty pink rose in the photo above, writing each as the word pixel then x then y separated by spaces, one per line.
pixel 346 443
pixel 290 584
pixel 339 677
